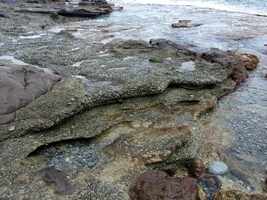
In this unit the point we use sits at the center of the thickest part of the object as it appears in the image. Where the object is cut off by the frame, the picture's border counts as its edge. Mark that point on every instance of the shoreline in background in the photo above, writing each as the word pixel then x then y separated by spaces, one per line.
pixel 216 5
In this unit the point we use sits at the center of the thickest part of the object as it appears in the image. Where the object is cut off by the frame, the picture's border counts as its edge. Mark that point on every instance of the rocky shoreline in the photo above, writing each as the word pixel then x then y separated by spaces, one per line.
pixel 90 117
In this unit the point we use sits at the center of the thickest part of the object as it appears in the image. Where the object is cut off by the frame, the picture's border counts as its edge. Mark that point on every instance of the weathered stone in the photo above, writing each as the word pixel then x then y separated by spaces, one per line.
pixel 218 168
pixel 159 185
pixel 84 12
pixel 185 24
pixel 229 59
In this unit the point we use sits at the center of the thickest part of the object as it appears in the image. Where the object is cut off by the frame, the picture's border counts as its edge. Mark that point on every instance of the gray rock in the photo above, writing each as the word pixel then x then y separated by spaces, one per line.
pixel 81 12
pixel 218 168
pixel 20 85
pixel 134 114
pixel 185 24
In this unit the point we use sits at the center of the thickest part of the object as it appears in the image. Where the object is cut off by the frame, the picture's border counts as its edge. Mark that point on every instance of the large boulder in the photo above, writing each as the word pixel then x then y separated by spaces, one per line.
pixel 153 185
pixel 20 85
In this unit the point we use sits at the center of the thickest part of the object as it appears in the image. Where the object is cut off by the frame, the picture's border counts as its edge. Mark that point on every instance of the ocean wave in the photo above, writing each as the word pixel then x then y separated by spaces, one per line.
pixel 244 6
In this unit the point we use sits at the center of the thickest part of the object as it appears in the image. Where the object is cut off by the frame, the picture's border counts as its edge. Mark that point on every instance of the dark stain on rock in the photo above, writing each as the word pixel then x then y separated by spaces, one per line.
pixel 62 185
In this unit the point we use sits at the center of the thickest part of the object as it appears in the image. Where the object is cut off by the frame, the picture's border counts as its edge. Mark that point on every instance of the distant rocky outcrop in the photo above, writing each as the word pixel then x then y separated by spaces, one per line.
pixel 32 15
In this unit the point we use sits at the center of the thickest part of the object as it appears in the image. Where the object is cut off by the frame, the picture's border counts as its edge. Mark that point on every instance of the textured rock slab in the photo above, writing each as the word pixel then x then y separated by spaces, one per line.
pixel 185 24
pixel 137 114
pixel 126 71
pixel 20 85
pixel 131 134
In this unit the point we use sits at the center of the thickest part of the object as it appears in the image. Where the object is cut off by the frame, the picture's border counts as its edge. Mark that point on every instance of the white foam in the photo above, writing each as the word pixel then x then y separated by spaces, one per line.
pixel 188 66
pixel 13 60
pixel 31 36
pixel 218 5
pixel 77 64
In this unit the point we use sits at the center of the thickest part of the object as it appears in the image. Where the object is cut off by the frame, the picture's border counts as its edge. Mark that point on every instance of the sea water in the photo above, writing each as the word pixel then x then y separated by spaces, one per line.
pixel 244 6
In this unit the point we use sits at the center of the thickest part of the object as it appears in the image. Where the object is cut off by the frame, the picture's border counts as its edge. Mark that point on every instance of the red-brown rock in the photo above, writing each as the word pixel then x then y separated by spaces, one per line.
pixel 158 185
pixel 249 61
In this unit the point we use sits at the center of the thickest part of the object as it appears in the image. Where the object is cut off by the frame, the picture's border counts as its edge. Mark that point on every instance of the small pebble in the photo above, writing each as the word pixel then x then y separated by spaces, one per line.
pixel 218 168
pixel 12 128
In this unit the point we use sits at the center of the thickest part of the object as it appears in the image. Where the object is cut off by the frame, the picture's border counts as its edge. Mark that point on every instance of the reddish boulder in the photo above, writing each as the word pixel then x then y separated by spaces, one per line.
pixel 249 61
pixel 158 185
pixel 238 63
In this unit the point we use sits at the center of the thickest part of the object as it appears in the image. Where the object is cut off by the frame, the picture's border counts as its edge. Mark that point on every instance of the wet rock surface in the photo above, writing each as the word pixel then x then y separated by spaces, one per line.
pixel 54 176
pixel 131 134
pixel 185 24
pixel 159 185
pixel 137 114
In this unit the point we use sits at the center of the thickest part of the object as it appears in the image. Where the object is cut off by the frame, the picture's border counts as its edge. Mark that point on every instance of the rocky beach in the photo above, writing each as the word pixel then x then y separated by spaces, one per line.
pixel 113 101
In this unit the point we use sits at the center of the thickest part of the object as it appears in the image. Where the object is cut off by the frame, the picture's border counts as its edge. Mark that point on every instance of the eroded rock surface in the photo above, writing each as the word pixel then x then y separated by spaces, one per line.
pixel 136 114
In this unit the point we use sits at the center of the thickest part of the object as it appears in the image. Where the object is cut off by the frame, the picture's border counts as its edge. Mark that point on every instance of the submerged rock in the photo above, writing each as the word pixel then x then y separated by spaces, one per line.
pixel 218 168
pixel 238 62
pixel 61 183
pixel 210 185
